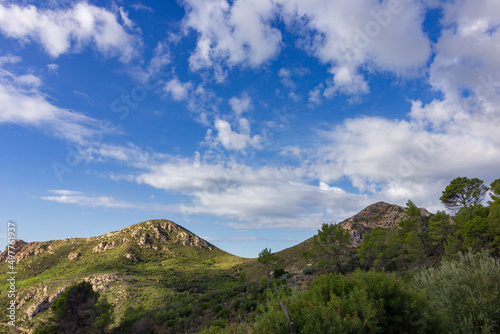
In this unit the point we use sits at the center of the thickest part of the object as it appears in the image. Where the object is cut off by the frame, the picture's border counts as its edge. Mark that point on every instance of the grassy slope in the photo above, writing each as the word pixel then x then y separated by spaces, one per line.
pixel 157 276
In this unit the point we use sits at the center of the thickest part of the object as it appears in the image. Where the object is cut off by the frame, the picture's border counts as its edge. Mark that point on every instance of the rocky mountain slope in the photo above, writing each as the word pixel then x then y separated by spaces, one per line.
pixel 381 214
pixel 143 263
pixel 148 263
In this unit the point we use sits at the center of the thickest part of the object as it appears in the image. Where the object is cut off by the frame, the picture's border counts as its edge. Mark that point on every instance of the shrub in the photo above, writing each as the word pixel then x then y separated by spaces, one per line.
pixel 357 303
pixel 466 292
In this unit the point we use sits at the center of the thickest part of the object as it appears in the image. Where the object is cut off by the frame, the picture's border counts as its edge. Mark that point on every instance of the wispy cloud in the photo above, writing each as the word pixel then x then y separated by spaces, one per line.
pixel 89 201
pixel 22 102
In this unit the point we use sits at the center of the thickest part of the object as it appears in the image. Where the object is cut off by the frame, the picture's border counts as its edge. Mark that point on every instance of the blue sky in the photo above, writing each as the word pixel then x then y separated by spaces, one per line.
pixel 249 122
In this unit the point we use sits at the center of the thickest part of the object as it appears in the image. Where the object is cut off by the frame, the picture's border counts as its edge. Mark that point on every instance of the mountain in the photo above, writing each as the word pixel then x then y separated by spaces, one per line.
pixel 149 263
pixel 145 263
pixel 381 214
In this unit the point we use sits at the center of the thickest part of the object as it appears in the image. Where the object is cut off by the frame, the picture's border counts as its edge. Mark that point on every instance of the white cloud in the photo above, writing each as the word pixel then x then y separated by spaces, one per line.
pixel 456 135
pixel 466 68
pixel 65 192
pixel 384 36
pixel 90 201
pixel 232 140
pixel 178 90
pixel 130 154
pixel 291 150
pixel 140 6
pixel 21 102
pixel 396 160
pixel 239 33
pixel 286 78
pixel 52 68
pixel 69 29
pixel 160 59
pixel 9 60
pixel 126 21
pixel 240 105
pixel 252 198
pixel 315 98
pixel 352 35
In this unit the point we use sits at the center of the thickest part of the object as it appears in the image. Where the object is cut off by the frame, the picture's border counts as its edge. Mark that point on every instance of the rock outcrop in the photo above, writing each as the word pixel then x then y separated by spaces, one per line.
pixel 381 214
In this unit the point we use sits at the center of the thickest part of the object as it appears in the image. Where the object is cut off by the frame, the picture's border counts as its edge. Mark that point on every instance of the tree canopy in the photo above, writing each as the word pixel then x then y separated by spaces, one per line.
pixel 330 247
pixel 462 192
pixel 78 310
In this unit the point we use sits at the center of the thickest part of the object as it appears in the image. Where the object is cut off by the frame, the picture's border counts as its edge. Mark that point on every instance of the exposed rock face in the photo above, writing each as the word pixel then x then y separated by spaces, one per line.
pixel 381 214
pixel 104 246
pixel 130 257
pixel 45 300
pixel 187 239
pixel 42 304
pixel 16 248
pixel 73 256
pixel 23 250
pixel 103 282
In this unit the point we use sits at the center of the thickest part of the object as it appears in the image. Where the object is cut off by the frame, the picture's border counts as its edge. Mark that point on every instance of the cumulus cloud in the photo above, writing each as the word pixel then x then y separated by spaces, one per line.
pixel 69 29
pixel 240 105
pixel 178 90
pixel 381 35
pixel 285 76
pixel 397 160
pixel 233 140
pixel 385 35
pixel 239 33
pixel 453 135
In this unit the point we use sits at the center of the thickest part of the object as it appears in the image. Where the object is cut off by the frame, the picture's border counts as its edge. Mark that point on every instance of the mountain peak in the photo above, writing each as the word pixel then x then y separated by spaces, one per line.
pixel 380 214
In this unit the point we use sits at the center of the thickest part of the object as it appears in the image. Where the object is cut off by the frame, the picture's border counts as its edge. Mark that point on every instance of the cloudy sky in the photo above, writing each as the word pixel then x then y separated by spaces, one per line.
pixel 249 122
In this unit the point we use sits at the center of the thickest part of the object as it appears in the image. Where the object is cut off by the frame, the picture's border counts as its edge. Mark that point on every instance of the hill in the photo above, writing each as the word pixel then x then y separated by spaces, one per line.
pixel 144 264
pixel 380 214
pixel 151 263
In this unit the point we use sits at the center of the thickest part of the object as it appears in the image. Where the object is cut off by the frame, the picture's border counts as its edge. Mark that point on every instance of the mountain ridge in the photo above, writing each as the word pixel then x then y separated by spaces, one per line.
pixel 156 258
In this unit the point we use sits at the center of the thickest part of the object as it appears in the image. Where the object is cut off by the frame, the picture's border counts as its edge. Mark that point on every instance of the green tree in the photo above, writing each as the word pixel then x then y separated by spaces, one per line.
pixel 495 190
pixel 494 219
pixel 413 238
pixel 372 252
pixel 78 310
pixel 440 227
pixel 331 246
pixel 268 260
pixel 462 192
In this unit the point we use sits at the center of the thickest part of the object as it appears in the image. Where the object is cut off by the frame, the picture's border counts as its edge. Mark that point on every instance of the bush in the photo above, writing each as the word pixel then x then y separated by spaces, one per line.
pixel 466 292
pixel 357 303
pixel 78 310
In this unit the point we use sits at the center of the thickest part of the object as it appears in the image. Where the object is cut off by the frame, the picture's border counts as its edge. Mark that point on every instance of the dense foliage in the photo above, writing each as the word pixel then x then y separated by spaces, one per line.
pixel 78 310
pixel 423 240
pixel 218 309
pixel 466 293
pixel 330 248
pixel 355 303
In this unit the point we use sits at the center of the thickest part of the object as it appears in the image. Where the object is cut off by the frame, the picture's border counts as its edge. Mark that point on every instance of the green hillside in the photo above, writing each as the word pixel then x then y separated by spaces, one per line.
pixel 145 264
